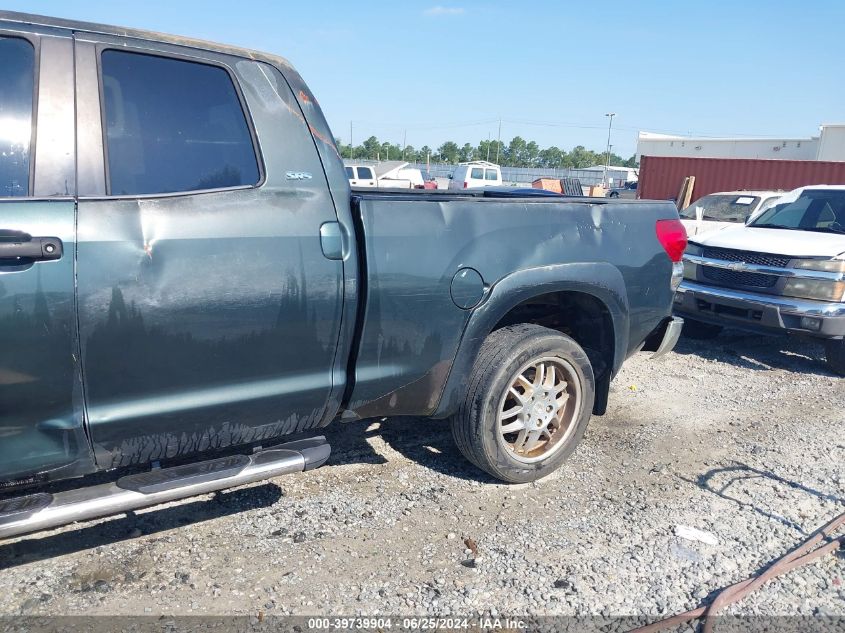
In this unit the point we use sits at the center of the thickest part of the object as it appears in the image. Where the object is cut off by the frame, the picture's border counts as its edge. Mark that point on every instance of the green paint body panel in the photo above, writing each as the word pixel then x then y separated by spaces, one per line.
pixel 41 413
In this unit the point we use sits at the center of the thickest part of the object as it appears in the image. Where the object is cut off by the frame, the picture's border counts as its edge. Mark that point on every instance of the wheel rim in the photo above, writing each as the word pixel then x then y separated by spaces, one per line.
pixel 538 411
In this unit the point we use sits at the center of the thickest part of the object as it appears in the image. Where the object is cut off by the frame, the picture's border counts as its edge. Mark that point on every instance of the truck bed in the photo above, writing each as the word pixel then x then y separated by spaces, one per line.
pixel 410 245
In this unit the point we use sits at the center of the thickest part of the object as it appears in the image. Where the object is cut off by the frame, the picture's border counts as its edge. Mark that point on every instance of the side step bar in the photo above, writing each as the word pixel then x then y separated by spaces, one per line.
pixel 42 510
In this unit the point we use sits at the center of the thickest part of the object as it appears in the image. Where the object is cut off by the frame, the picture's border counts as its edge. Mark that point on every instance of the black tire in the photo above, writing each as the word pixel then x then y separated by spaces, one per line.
pixel 476 425
pixel 614 194
pixel 700 331
pixel 834 351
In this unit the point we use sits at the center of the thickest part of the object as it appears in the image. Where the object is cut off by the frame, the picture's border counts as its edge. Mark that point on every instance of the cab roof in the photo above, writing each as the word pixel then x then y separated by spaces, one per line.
pixel 152 36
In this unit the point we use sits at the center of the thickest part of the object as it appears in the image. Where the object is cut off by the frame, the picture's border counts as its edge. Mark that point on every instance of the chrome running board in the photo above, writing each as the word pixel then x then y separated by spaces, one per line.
pixel 41 510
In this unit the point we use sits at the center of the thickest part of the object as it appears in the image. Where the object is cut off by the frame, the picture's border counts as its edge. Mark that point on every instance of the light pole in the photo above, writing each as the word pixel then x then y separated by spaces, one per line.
pixel 499 142
pixel 610 116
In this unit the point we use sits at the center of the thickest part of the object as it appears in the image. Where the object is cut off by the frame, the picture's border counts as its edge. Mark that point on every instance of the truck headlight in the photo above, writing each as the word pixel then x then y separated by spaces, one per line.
pixel 818 289
pixel 824 265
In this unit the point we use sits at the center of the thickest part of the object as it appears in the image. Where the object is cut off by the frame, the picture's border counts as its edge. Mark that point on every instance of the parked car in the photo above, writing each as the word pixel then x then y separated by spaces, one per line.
pixel 474 174
pixel 187 281
pixel 361 176
pixel 782 273
pixel 628 190
pixel 725 209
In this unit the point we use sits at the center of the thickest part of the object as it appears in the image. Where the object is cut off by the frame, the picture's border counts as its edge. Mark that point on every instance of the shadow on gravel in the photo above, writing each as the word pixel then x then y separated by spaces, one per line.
pixel 426 442
pixel 223 504
pixel 739 473
pixel 761 353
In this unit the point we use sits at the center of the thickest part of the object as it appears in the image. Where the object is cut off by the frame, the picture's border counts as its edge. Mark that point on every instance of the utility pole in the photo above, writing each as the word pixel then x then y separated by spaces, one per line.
pixel 404 143
pixel 610 116
pixel 499 142
pixel 488 147
pixel 351 145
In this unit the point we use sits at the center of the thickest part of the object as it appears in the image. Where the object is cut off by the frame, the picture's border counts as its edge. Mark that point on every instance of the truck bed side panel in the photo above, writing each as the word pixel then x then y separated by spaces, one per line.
pixel 413 248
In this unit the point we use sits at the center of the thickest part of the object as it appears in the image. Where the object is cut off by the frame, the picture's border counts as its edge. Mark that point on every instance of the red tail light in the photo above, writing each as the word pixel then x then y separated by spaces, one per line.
pixel 673 237
pixel 466 184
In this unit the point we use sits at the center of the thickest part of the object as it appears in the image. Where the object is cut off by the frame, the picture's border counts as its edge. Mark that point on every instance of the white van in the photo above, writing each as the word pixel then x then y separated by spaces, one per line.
pixel 361 176
pixel 478 173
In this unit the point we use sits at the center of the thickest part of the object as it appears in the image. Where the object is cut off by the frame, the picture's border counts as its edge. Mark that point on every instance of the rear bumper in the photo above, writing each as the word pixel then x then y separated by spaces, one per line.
pixel 769 314
pixel 664 338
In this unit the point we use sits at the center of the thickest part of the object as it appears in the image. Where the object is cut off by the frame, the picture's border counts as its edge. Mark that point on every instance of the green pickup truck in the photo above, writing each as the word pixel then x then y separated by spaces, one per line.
pixel 189 287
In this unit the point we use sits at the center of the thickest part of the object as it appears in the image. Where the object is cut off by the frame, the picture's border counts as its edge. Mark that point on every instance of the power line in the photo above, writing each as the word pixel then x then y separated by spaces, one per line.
pixel 553 124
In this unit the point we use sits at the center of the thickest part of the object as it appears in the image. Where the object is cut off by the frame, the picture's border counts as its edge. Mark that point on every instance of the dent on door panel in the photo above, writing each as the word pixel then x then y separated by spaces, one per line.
pixel 197 330
pixel 210 320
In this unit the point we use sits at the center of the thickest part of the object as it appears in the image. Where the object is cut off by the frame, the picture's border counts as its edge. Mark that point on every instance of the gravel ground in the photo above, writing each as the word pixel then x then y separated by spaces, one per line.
pixel 741 437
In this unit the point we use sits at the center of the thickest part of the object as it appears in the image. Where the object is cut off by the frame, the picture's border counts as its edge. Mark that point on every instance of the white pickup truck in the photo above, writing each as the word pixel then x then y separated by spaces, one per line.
pixel 783 272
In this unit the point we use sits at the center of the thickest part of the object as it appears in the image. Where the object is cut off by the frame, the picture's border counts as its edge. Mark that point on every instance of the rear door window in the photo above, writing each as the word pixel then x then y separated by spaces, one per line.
pixel 173 126
pixel 477 173
pixel 17 78
pixel 365 173
pixel 491 174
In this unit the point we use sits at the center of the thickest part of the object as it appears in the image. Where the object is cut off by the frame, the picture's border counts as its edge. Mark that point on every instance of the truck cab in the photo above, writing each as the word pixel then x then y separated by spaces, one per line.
pixel 361 176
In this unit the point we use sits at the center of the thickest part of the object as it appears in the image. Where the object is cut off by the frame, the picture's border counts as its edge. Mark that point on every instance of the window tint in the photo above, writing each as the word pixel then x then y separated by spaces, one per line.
pixel 17 71
pixel 173 125
pixel 477 173
pixel 365 173
pixel 350 173
pixel 491 174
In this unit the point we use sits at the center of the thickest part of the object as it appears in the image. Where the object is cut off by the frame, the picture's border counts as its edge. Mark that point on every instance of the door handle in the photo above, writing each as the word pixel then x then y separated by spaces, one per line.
pixel 17 247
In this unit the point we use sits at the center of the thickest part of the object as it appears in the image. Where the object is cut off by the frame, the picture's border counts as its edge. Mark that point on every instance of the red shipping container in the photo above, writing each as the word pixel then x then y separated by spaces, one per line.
pixel 661 177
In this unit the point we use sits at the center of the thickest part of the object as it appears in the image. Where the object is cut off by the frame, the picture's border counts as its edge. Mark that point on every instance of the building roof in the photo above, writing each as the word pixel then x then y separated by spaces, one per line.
pixel 103 29
pixel 610 168
pixel 656 136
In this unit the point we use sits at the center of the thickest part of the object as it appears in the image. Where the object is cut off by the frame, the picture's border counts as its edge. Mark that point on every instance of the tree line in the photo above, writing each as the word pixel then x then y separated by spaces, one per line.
pixel 517 153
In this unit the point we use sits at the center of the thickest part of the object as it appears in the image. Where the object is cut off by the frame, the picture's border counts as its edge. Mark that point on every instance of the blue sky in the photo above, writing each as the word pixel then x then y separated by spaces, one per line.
pixel 446 70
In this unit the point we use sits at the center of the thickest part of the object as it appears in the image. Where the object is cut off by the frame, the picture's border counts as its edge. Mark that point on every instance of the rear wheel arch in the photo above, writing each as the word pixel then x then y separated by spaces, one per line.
pixel 599 285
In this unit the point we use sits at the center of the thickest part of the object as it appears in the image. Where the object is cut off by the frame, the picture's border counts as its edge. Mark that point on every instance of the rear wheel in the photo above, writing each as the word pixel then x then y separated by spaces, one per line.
pixel 528 402
pixel 834 351
pixel 699 330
